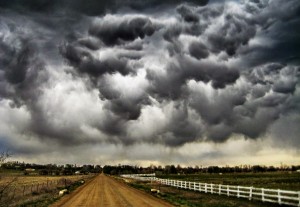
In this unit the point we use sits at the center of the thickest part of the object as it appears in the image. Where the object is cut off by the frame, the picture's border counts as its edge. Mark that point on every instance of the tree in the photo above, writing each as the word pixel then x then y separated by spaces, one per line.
pixel 170 169
pixel 4 189
pixel 258 168
pixel 4 156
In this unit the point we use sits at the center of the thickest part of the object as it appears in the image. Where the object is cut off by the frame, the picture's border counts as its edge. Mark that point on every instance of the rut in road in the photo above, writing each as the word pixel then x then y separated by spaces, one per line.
pixel 106 191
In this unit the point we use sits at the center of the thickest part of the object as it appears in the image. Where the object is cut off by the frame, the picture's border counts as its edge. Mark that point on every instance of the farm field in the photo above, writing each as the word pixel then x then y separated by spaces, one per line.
pixel 276 180
pixel 181 197
pixel 21 180
pixel 186 198
pixel 27 190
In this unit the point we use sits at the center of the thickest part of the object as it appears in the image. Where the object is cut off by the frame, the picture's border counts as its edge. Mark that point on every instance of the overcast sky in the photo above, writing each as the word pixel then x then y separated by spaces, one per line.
pixel 148 81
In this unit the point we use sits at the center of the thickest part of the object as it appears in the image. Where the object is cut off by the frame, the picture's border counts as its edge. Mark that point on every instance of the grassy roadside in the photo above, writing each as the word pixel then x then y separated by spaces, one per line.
pixel 43 201
pixel 49 198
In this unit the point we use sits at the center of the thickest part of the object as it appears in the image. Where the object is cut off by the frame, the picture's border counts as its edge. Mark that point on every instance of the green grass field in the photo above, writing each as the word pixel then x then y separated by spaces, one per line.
pixel 188 198
pixel 276 180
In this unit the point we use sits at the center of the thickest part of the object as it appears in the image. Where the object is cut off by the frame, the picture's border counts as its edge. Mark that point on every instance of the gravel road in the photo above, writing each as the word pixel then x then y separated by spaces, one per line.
pixel 106 191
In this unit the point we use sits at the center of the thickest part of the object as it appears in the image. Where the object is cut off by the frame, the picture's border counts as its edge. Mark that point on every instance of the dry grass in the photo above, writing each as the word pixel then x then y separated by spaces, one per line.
pixel 18 188
pixel 22 180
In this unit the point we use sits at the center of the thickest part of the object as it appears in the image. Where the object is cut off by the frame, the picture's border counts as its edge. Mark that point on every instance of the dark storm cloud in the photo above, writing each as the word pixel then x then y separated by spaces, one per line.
pixel 126 107
pixel 24 74
pixel 185 69
pixel 213 69
pixel 198 50
pixel 282 79
pixel 90 43
pixel 28 43
pixel 279 23
pixel 82 60
pixel 144 4
pixel 20 68
pixel 91 7
pixel 126 30
pixel 182 127
pixel 187 14
pixel 205 15
pixel 234 33
pixel 34 5
pixel 19 64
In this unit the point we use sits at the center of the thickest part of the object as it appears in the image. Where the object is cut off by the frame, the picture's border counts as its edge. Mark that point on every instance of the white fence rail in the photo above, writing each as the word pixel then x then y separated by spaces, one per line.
pixel 266 195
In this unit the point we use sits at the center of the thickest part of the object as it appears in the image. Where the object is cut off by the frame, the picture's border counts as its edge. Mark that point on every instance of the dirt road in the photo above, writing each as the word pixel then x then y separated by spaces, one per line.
pixel 106 191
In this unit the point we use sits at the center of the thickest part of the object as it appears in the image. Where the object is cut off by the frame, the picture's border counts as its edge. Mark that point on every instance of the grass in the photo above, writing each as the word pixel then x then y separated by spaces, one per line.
pixel 276 180
pixel 184 198
pixel 43 201
pixel 39 190
pixel 187 198
pixel 35 179
pixel 48 199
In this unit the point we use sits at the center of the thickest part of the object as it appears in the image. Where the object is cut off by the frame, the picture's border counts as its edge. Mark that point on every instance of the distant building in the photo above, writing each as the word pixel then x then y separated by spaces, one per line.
pixel 29 170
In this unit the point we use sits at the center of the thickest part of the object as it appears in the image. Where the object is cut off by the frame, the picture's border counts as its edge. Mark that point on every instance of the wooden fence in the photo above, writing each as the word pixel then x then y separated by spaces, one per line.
pixel 17 192
pixel 286 197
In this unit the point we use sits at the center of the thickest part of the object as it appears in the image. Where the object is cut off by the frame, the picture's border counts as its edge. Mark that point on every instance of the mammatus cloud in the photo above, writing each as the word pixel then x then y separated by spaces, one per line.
pixel 125 73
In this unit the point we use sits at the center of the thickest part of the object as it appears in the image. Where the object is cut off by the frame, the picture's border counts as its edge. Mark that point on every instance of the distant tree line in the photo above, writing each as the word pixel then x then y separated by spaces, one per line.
pixel 172 169
pixel 51 169
pixel 71 169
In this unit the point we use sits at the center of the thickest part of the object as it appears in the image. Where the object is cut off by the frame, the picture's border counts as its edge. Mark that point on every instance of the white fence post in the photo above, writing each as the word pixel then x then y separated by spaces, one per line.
pixel 238 191
pixel 299 198
pixel 219 189
pixel 250 193
pixel 194 186
pixel 211 188
pixel 279 197
pixel 227 190
pixel 263 195
pixel 205 187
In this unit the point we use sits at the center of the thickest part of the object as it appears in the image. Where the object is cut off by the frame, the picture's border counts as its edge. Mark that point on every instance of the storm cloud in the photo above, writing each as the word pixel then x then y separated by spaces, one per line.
pixel 155 72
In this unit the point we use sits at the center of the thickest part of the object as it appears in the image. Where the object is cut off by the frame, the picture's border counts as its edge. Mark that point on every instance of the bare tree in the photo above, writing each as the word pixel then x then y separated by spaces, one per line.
pixel 4 156
pixel 4 188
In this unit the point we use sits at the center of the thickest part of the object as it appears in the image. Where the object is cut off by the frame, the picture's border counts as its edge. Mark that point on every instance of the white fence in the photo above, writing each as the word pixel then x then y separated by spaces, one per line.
pixel 266 195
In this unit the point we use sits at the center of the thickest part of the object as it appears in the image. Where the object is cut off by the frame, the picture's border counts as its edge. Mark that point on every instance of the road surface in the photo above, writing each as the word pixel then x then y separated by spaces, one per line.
pixel 106 191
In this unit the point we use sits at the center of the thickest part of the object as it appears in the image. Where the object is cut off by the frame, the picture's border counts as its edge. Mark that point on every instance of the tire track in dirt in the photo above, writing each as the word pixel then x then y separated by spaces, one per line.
pixel 131 196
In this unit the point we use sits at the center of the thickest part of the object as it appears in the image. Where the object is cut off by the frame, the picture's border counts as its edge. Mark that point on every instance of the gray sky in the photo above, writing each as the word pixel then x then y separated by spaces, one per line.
pixel 140 82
